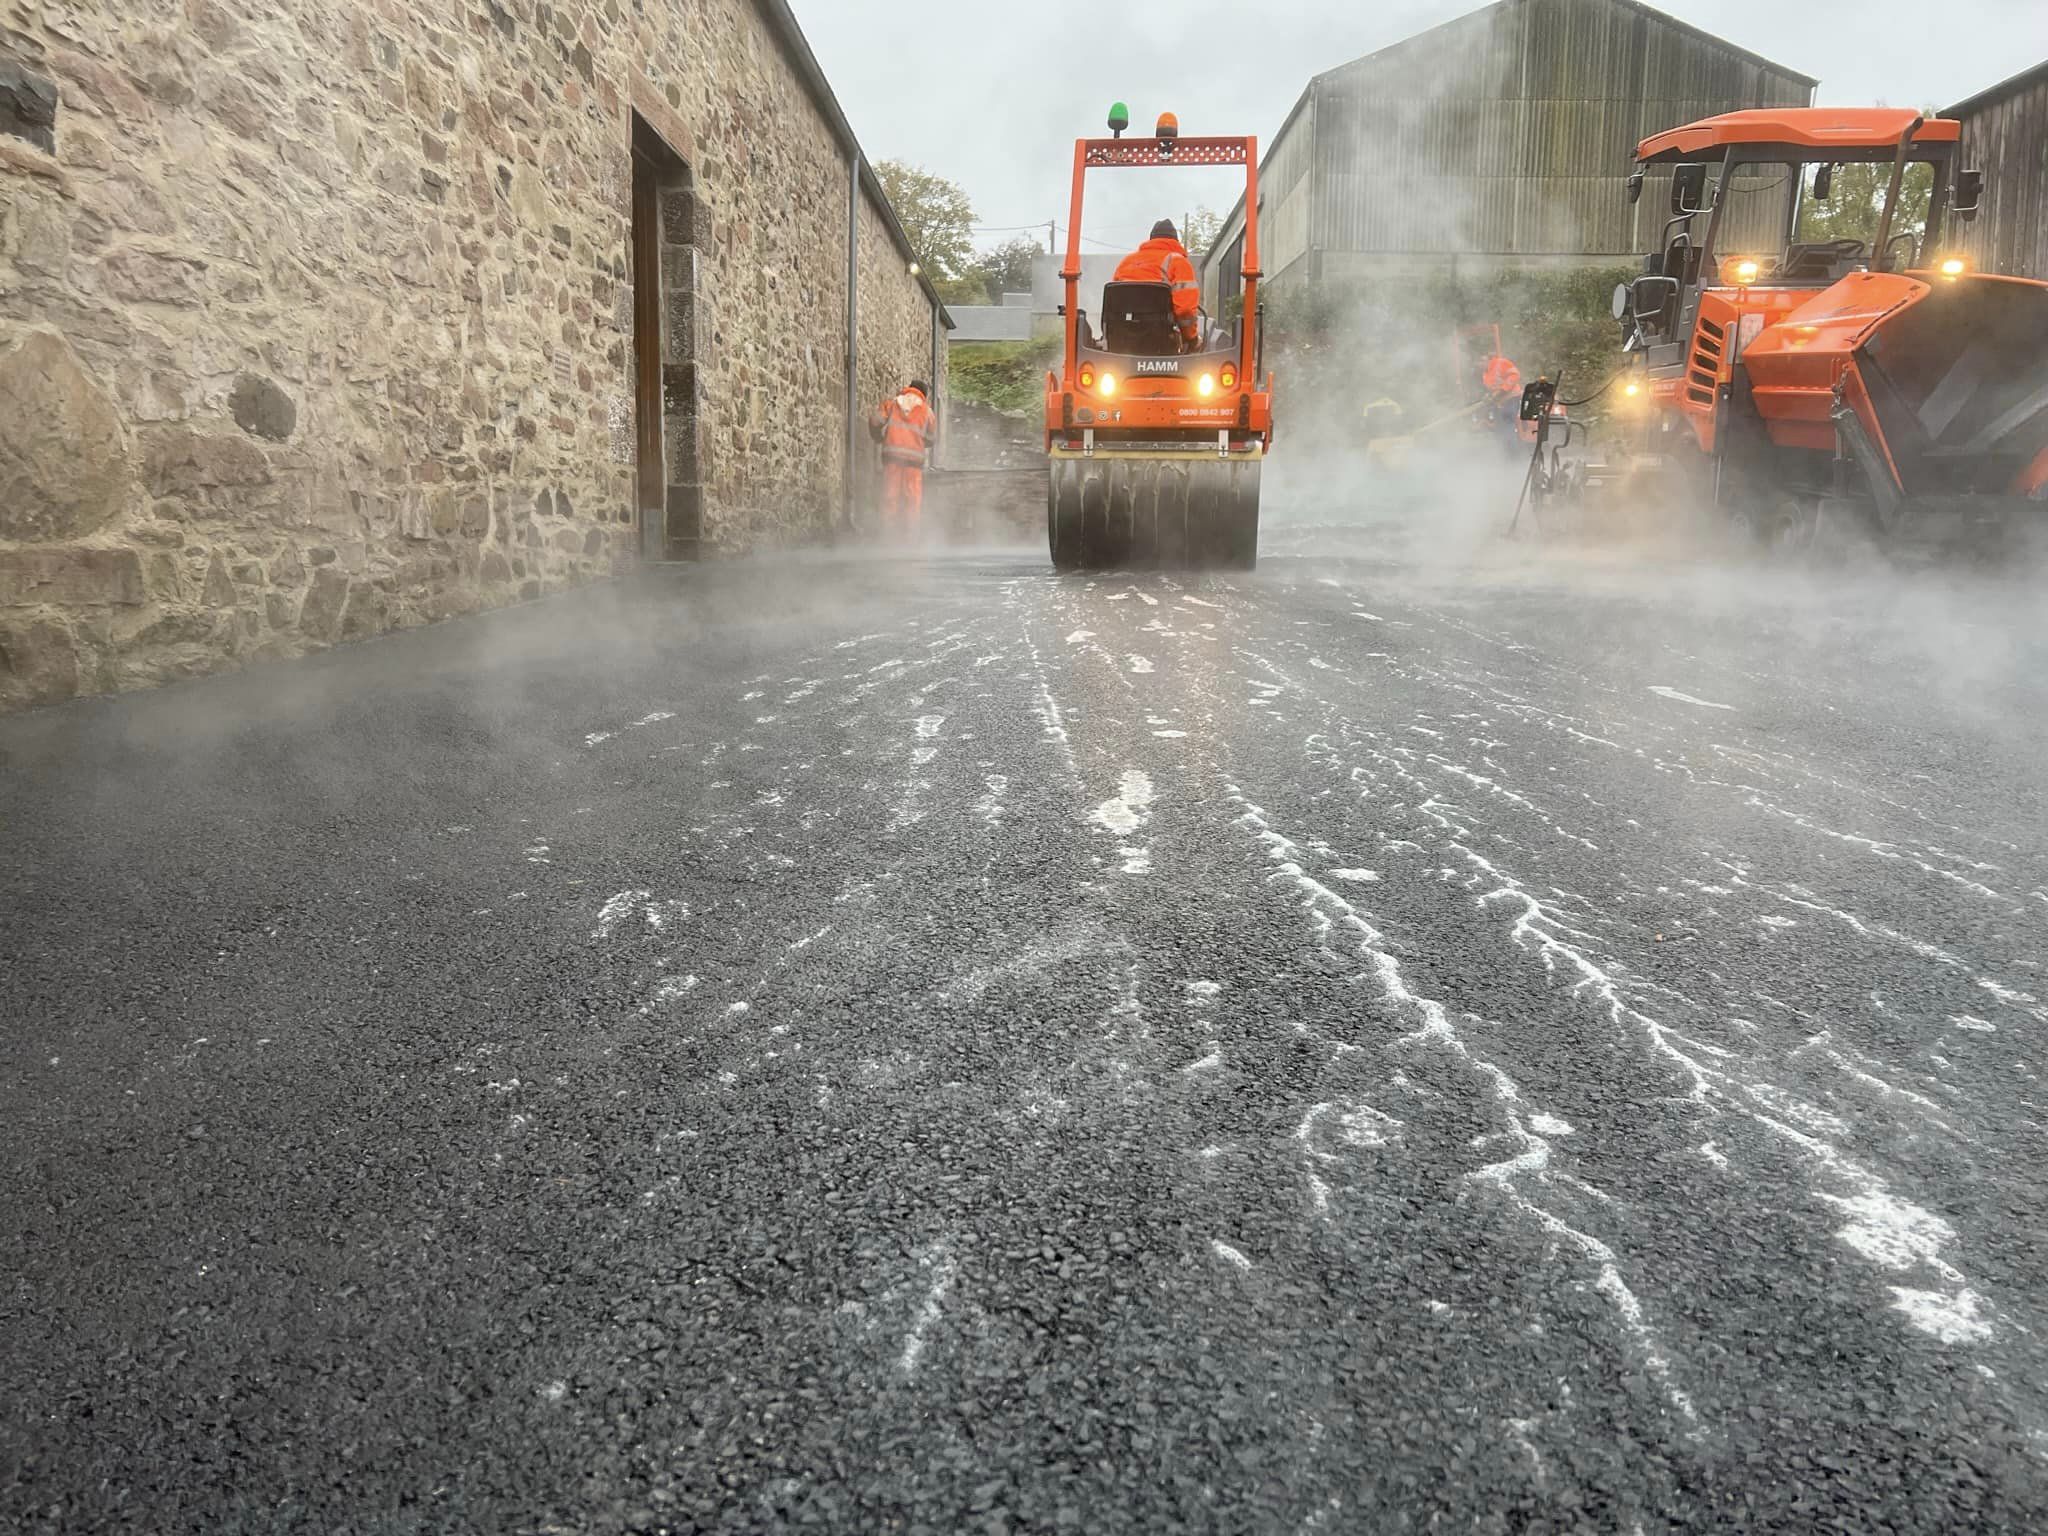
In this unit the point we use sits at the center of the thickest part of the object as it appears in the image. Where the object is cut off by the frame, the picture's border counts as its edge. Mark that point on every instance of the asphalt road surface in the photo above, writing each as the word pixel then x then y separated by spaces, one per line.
pixel 1546 1041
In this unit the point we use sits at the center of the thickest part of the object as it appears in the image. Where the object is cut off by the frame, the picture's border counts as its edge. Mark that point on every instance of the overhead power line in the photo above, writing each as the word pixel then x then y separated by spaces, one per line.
pixel 1113 245
pixel 1005 229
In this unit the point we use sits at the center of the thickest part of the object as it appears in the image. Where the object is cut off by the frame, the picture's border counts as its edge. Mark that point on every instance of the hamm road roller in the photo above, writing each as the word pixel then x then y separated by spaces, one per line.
pixel 1156 437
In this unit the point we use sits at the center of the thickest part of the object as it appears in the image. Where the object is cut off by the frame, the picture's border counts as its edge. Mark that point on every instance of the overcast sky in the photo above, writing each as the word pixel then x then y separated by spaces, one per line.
pixel 992 96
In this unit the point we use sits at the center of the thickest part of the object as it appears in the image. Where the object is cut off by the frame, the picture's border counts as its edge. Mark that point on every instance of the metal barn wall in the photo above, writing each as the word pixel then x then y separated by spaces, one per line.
pixel 1287 195
pixel 1509 133
pixel 2005 132
pixel 1503 138
pixel 1223 272
pixel 1285 212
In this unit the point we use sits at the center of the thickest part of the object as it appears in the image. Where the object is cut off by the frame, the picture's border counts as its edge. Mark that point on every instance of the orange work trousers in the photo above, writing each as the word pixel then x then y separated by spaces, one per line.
pixel 902 497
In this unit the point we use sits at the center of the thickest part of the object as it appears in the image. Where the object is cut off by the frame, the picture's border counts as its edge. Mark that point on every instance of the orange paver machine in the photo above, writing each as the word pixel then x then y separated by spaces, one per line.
pixel 1872 374
pixel 1156 444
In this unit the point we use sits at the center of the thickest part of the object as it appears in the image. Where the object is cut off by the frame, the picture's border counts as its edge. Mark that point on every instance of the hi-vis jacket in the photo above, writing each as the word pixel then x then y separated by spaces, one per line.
pixel 1166 261
pixel 908 428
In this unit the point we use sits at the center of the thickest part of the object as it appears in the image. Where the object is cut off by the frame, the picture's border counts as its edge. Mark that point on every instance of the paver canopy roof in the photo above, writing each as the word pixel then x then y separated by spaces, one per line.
pixel 1807 127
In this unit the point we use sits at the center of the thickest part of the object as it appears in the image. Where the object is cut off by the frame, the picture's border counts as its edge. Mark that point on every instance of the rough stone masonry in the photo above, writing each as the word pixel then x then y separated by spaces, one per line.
pixel 317 316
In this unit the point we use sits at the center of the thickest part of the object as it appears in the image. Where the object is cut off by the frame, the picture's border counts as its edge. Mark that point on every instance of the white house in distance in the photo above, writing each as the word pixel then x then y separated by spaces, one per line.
pixel 1022 316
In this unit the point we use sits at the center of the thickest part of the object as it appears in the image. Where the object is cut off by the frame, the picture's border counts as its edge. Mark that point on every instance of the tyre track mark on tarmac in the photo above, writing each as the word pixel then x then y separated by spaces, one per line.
pixel 1436 1027
pixel 1186 1049
pixel 1155 1059
pixel 1329 1118
pixel 936 1048
pixel 1651 739
pixel 1882 1227
pixel 1655 756
pixel 1100 1086
pixel 706 930
pixel 1566 948
pixel 1195 1089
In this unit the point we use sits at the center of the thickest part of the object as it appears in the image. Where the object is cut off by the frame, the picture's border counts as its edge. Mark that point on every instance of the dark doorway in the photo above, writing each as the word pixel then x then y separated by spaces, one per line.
pixel 668 484
pixel 647 341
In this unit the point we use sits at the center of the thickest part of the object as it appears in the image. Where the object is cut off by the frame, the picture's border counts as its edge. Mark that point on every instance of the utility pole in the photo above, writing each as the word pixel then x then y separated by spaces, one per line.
pixel 1052 245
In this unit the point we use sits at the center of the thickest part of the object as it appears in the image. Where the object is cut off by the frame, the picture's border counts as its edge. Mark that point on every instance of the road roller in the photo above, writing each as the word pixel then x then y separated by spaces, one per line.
pixel 1156 430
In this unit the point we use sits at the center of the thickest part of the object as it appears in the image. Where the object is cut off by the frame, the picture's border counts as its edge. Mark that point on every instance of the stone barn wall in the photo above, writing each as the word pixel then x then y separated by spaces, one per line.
pixel 992 489
pixel 316 316
pixel 895 341
pixel 895 322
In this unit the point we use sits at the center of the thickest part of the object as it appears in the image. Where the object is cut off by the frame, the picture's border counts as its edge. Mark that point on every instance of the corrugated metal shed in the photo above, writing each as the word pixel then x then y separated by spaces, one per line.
pixel 1503 135
pixel 2005 132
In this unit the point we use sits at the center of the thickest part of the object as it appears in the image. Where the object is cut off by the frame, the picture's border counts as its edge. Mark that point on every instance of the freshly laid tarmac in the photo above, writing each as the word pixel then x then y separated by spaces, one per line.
pixel 921 1044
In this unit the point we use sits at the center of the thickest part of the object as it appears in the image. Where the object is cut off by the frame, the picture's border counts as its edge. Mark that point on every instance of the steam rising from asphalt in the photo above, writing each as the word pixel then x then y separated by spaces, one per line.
pixel 1436 528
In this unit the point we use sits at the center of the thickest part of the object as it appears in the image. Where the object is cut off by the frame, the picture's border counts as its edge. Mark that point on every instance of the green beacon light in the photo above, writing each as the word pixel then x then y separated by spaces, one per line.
pixel 1119 119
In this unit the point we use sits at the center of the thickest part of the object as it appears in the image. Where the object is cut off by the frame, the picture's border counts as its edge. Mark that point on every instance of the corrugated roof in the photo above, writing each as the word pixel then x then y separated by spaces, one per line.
pixel 1663 18
pixel 2004 88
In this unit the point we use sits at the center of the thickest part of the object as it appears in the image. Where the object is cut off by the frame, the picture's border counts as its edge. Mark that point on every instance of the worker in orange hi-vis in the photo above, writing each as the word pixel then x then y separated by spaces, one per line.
pixel 1163 259
pixel 1501 377
pixel 1502 381
pixel 906 428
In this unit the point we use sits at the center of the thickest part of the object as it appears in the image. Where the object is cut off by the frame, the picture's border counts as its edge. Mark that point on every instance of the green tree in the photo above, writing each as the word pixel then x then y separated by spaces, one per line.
pixel 1007 268
pixel 1856 203
pixel 1204 225
pixel 939 219
pixel 968 288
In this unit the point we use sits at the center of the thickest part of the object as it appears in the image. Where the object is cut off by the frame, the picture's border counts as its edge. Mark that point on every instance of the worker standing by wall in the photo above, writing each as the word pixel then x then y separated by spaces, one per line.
pixel 906 427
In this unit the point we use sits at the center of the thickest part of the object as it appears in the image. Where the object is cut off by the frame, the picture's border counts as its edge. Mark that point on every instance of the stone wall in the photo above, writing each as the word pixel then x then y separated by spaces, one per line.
pixel 316 316
pixel 992 489
pixel 978 436
pixel 895 339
